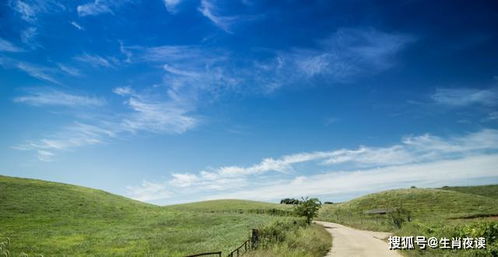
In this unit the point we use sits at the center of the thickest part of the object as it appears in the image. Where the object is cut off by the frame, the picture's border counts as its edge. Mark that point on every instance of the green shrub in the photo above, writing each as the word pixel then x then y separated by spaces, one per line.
pixel 399 216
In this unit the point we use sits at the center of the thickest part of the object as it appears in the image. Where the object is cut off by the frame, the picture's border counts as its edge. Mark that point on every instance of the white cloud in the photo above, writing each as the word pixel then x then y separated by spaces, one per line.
pixel 342 57
pixel 38 72
pixel 156 116
pixel 183 180
pixel 28 37
pixel 6 46
pixel 460 97
pixel 149 191
pixel 336 184
pixel 208 9
pixel 493 116
pixel 147 113
pixel 35 71
pixel 69 70
pixel 76 25
pixel 30 9
pixel 45 156
pixel 412 160
pixel 171 5
pixel 53 97
pixel 76 135
pixel 27 12
pixel 97 7
pixel 96 60
pixel 94 8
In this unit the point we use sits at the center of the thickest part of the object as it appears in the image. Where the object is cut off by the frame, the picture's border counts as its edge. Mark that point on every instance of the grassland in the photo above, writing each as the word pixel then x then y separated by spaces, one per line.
pixel 305 241
pixel 433 212
pixel 487 190
pixel 56 219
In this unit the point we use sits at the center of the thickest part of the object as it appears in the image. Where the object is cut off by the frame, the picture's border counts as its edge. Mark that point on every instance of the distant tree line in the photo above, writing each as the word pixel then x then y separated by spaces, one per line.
pixel 296 201
pixel 290 201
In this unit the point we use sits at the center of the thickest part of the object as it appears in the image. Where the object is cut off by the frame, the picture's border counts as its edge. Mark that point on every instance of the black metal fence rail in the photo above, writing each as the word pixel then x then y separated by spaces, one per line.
pixel 245 247
pixel 205 254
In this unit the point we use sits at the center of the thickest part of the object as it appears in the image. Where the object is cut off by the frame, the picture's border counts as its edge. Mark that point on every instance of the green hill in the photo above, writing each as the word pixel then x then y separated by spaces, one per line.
pixel 423 204
pixel 429 212
pixel 234 206
pixel 54 219
pixel 487 190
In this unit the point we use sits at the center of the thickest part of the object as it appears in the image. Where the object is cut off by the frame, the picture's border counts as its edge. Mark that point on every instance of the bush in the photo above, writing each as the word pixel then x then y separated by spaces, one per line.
pixel 399 216
pixel 297 241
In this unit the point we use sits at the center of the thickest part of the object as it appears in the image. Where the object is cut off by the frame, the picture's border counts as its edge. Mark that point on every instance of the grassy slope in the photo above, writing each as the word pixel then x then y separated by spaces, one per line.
pixel 425 204
pixel 56 219
pixel 227 205
pixel 487 190
pixel 434 212
pixel 309 241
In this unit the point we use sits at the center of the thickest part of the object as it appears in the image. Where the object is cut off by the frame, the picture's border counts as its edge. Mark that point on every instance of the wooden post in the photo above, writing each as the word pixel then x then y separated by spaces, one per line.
pixel 255 238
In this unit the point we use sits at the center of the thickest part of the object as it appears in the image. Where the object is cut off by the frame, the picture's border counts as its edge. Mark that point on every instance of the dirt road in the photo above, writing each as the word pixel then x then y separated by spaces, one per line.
pixel 349 242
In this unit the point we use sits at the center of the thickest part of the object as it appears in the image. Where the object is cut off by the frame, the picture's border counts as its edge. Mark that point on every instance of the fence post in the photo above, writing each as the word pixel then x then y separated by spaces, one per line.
pixel 255 238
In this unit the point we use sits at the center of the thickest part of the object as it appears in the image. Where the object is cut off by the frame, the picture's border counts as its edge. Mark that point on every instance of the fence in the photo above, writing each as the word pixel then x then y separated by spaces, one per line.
pixel 205 254
pixel 248 245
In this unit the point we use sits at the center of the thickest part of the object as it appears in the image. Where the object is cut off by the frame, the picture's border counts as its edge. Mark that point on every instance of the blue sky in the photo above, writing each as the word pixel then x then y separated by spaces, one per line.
pixel 171 101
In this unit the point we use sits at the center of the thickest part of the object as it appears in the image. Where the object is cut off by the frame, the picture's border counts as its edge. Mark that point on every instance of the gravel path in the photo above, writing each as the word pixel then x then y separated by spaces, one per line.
pixel 350 242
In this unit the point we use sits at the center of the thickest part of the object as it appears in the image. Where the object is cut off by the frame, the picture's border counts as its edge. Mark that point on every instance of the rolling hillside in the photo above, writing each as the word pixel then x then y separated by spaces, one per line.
pixel 56 219
pixel 432 212
pixel 424 203
pixel 487 190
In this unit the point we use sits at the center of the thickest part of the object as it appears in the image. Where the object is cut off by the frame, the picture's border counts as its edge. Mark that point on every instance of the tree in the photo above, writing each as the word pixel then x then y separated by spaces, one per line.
pixel 308 208
pixel 289 201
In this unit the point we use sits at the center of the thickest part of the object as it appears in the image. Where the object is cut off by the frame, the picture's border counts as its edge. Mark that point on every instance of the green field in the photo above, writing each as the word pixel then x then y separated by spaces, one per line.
pixel 487 190
pixel 432 212
pixel 54 219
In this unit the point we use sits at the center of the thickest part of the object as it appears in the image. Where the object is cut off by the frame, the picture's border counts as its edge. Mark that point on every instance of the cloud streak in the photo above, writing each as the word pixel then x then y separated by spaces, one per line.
pixel 96 60
pixel 6 46
pixel 35 71
pixel 208 9
pixel 461 97
pixel 146 112
pixel 53 97
pixel 411 161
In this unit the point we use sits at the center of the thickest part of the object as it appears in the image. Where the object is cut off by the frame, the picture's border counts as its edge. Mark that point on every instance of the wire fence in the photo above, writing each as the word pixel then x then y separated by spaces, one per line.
pixel 248 245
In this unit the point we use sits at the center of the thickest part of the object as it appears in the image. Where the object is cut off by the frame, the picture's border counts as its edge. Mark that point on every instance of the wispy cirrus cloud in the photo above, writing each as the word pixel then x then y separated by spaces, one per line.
pixel 97 7
pixel 343 185
pixel 68 138
pixel 97 61
pixel 77 25
pixel 461 97
pixel 362 163
pixel 208 9
pixel 28 37
pixel 342 57
pixel 155 115
pixel 53 97
pixel 35 71
pixel 30 9
pixel 69 70
pixel 146 112
pixel 6 46
pixel 149 191
pixel 171 5
pixel 94 8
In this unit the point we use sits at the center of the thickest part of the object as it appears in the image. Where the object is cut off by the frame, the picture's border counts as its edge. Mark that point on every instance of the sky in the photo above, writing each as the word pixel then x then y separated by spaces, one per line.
pixel 172 101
